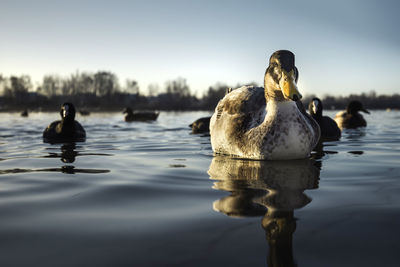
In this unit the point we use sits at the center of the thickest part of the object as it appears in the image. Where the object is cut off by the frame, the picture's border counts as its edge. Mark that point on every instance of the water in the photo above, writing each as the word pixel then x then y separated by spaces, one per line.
pixel 152 194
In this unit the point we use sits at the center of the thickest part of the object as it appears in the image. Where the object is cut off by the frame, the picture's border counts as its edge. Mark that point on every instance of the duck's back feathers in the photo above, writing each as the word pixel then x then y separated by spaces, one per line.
pixel 234 114
pixel 246 99
pixel 245 104
pixel 201 125
pixel 350 121
pixel 141 116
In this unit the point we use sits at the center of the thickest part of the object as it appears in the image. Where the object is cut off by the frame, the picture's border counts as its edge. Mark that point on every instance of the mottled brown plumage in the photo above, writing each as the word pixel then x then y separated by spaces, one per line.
pixel 251 122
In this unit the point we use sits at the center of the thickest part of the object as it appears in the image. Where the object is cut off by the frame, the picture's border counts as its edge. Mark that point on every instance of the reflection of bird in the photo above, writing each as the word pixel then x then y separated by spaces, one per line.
pixel 201 125
pixel 66 129
pixel 24 113
pixel 244 126
pixel 140 116
pixel 329 128
pixel 68 152
pixel 350 118
pixel 283 184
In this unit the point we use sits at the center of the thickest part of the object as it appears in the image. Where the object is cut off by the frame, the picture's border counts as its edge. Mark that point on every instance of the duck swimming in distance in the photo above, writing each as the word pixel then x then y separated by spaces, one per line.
pixel 265 123
pixel 140 116
pixel 350 118
pixel 67 129
pixel 25 113
pixel 329 129
pixel 201 125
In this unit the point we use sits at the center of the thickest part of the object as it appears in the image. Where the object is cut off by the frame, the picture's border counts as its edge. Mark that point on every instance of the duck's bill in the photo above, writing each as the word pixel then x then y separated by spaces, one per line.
pixel 289 87
pixel 364 110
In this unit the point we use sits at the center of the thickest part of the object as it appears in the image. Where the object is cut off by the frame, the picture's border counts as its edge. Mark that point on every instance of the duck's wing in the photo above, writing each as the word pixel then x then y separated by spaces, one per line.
pixel 240 110
pixel 50 130
pixel 79 131
pixel 329 129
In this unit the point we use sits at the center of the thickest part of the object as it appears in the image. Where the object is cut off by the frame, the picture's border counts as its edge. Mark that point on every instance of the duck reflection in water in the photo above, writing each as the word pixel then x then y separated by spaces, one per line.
pixel 68 152
pixel 68 155
pixel 272 189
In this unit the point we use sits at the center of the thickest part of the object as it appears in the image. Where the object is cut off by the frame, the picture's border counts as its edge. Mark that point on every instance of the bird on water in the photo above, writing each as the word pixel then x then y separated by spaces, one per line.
pixel 350 118
pixel 66 129
pixel 201 125
pixel 140 116
pixel 265 123
pixel 329 129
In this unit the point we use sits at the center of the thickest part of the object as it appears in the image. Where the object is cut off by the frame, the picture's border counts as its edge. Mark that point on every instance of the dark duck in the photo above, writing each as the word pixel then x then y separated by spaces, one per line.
pixel 201 125
pixel 25 113
pixel 140 116
pixel 329 129
pixel 66 129
pixel 350 118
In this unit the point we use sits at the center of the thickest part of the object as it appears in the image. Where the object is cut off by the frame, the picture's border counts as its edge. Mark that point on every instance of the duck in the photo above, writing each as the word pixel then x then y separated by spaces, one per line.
pixel 267 123
pixel 25 113
pixel 350 118
pixel 329 128
pixel 201 125
pixel 84 112
pixel 66 129
pixel 140 116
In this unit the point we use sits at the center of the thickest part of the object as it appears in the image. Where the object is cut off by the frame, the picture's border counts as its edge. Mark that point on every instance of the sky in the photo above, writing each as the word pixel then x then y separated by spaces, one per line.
pixel 342 47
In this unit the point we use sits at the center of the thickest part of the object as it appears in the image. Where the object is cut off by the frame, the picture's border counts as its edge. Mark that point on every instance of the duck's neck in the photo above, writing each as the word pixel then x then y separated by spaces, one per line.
pixel 272 92
pixel 282 107
pixel 273 95
pixel 67 126
pixel 316 116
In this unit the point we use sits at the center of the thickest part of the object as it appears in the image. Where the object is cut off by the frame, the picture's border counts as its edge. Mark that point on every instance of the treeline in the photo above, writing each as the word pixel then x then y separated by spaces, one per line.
pixel 102 91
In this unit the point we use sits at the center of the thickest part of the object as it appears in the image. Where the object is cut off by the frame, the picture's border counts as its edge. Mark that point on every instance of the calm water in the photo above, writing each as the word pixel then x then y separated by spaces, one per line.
pixel 152 194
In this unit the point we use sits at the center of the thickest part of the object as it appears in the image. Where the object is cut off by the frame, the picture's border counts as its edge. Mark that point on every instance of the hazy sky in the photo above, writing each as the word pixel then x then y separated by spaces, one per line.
pixel 341 46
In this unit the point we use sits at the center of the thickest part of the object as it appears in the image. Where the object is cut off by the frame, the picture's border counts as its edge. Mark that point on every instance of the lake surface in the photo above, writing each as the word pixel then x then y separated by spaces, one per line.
pixel 152 194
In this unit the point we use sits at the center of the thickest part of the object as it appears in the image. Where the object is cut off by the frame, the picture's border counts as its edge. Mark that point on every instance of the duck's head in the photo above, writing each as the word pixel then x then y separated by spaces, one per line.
pixel 355 106
pixel 315 107
pixel 281 77
pixel 127 111
pixel 67 111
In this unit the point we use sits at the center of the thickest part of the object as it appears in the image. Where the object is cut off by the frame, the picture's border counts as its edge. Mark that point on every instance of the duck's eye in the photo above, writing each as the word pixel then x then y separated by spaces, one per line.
pixel 277 72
